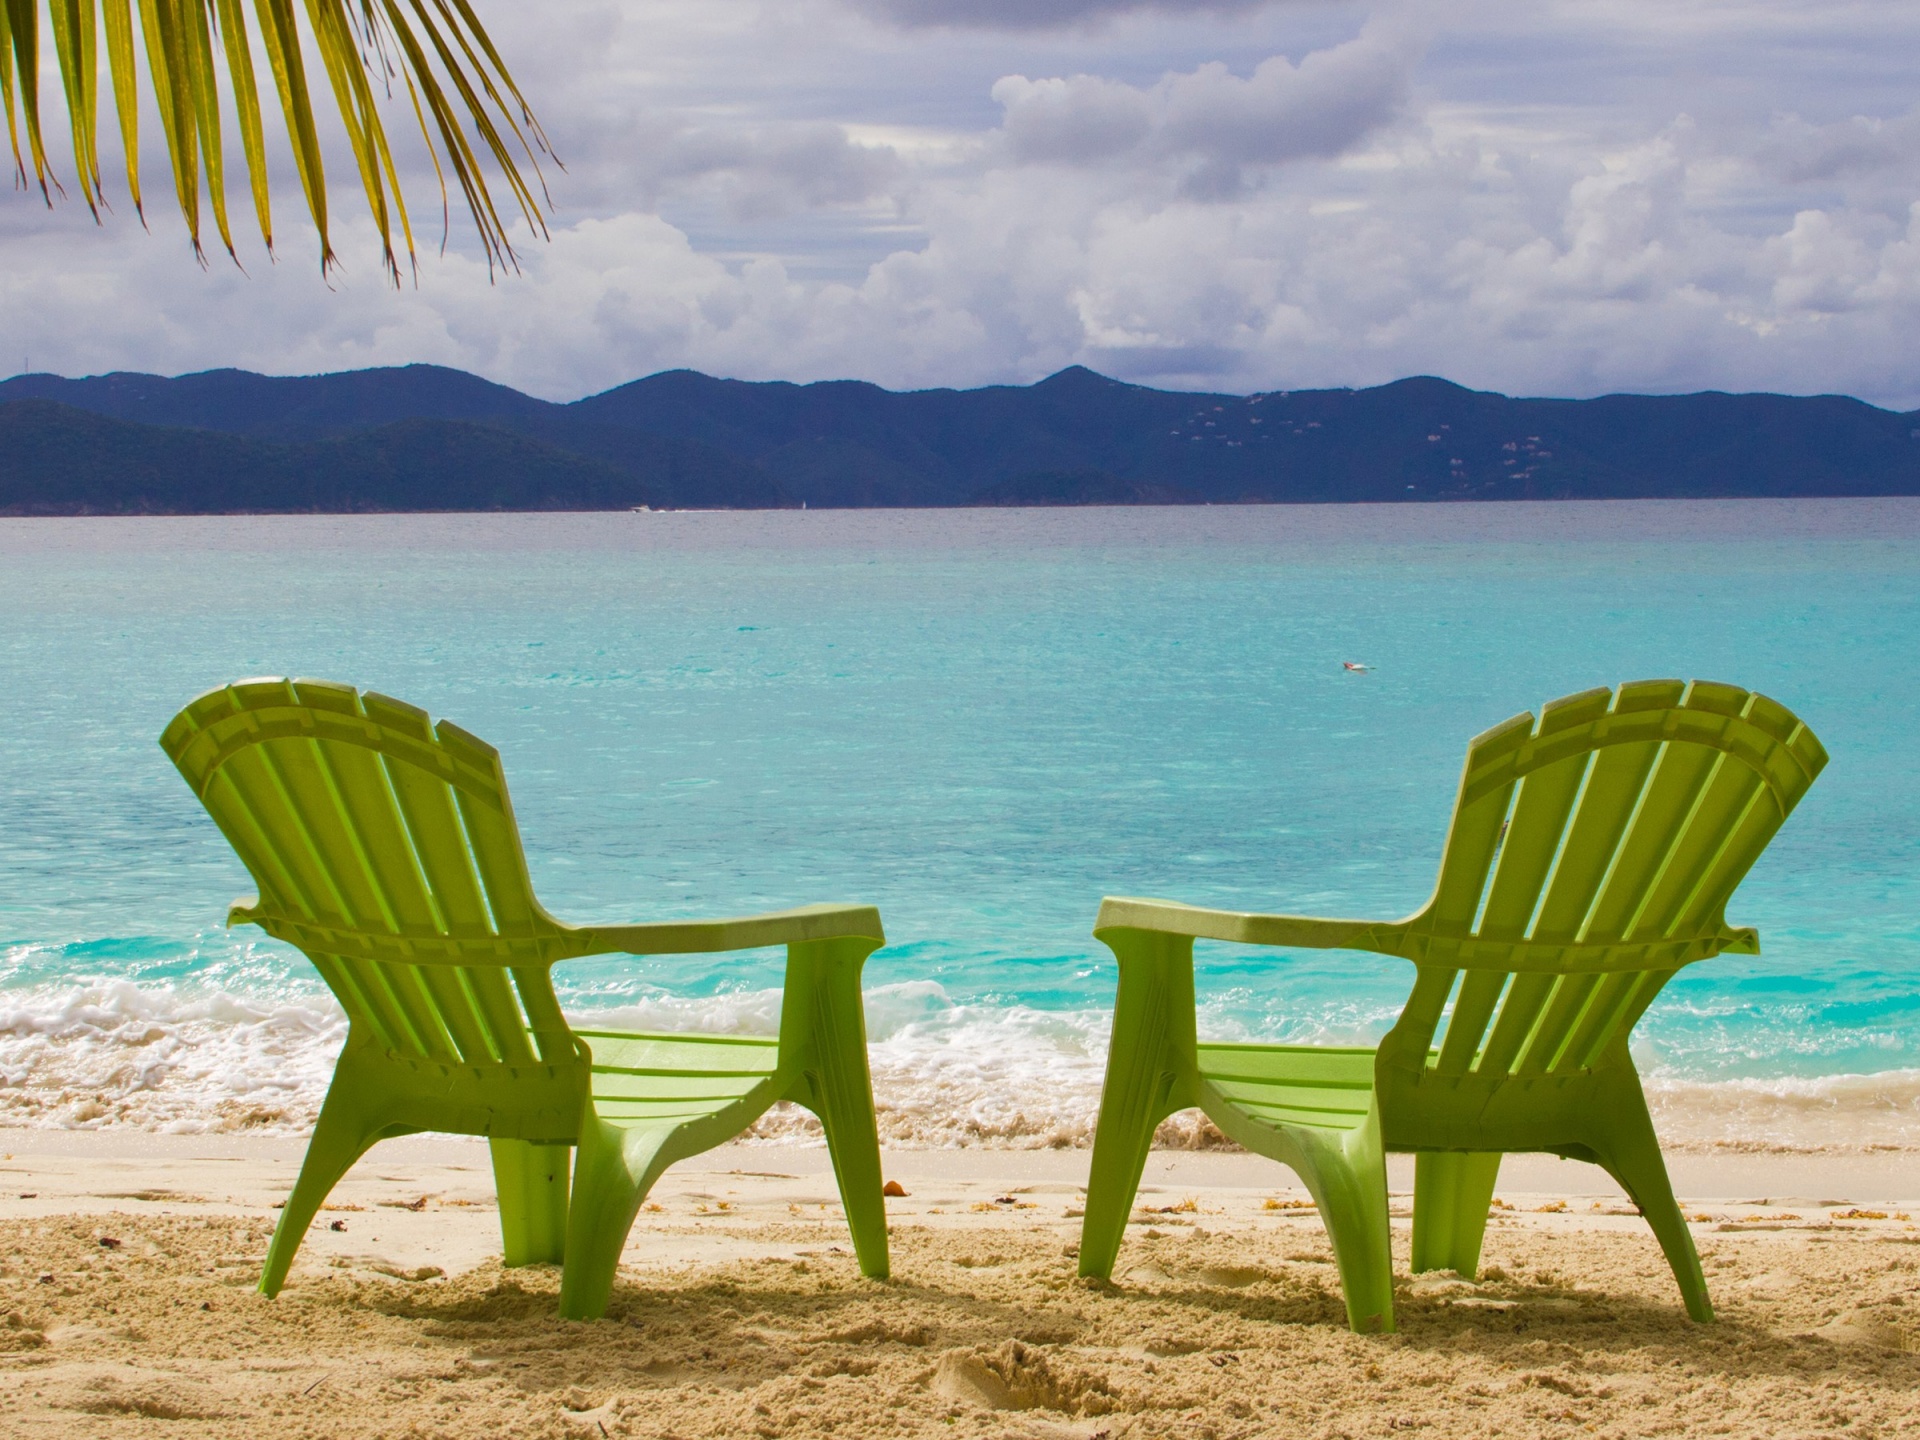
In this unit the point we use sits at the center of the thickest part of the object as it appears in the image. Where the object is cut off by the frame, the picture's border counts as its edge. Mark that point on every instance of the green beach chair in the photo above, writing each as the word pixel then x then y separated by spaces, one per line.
pixel 385 850
pixel 1591 856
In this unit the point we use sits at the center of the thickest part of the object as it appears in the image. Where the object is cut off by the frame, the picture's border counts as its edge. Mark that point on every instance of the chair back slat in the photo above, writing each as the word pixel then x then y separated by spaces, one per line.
pixel 1623 818
pixel 1599 1018
pixel 494 839
pixel 1607 801
pixel 249 801
pixel 496 1007
pixel 368 828
pixel 1471 847
pixel 368 1007
pixel 403 992
pixel 451 1006
pixel 1664 827
pixel 552 1036
pixel 1742 820
pixel 477 1004
pixel 1617 1003
pixel 1473 840
pixel 1571 994
pixel 1520 1012
pixel 433 824
pixel 1425 1007
pixel 373 829
pixel 1480 991
pixel 1532 840
pixel 438 1013
pixel 330 838
pixel 1651 982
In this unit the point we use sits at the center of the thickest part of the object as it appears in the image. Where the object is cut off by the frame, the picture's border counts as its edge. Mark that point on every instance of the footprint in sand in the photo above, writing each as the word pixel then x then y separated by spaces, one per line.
pixel 1863 1327
pixel 1018 1376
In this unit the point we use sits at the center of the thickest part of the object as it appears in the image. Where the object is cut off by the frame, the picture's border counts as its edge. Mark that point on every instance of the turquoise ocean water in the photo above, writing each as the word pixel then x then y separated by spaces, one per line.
pixel 982 721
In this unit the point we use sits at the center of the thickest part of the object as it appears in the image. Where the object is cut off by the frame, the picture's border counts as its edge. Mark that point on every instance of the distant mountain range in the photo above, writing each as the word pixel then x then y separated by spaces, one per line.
pixel 427 438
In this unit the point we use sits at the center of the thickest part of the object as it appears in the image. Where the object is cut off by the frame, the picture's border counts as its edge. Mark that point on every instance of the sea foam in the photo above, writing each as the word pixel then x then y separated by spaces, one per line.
pixel 117 1053
pixel 945 1074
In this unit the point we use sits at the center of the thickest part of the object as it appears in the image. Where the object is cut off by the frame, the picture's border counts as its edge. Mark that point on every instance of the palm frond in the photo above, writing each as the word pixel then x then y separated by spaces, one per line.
pixel 200 67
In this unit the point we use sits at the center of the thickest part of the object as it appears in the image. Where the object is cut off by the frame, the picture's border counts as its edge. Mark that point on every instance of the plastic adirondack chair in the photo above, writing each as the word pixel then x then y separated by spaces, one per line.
pixel 1591 856
pixel 385 849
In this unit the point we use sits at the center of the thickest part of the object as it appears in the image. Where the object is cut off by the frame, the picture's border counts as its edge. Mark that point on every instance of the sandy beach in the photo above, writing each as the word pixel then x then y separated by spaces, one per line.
pixel 129 1259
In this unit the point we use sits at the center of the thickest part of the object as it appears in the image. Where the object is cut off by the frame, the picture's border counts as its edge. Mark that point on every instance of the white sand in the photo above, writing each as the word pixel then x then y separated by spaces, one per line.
pixel 740 1313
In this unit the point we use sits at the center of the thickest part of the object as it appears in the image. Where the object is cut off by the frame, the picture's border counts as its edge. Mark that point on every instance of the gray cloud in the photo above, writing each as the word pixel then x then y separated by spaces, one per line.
pixel 1075 121
pixel 1326 104
pixel 1322 106
pixel 760 172
pixel 1798 152
pixel 1036 14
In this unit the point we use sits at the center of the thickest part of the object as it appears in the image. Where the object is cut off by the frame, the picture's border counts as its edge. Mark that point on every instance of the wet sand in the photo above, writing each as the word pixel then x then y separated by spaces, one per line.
pixel 739 1311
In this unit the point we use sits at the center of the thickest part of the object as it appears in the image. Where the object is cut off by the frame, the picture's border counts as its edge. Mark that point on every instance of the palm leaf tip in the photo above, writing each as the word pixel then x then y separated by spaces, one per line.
pixel 203 64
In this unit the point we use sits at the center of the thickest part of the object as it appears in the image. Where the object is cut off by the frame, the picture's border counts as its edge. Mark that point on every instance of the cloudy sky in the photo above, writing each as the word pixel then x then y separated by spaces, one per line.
pixel 1561 197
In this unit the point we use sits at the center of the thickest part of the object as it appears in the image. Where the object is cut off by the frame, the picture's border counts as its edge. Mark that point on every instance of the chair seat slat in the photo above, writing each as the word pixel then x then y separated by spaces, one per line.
pixel 1280 1115
pixel 1347 1067
pixel 624 1084
pixel 1329 1100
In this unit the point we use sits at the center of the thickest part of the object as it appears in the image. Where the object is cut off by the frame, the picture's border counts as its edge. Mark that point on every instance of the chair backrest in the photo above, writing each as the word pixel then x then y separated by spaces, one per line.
pixel 384 847
pixel 1591 856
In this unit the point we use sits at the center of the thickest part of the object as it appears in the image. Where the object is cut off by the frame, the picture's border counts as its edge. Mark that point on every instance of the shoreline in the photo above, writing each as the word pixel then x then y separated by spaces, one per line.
pixel 122 1088
pixel 433 1194
pixel 71 1171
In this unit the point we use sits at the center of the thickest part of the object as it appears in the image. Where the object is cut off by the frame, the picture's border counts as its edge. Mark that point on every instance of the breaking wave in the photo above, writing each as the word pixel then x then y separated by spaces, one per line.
pixel 120 1054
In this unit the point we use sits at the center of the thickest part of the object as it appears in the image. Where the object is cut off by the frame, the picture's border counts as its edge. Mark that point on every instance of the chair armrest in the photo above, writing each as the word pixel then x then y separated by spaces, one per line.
pixel 1306 932
pixel 747 932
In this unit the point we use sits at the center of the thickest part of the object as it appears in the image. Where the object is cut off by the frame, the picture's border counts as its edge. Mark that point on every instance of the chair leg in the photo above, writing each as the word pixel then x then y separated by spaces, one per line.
pixel 1347 1177
pixel 344 1132
pixel 1142 1085
pixel 844 1091
pixel 531 1183
pixel 1121 1140
pixel 827 1032
pixel 1452 1191
pixel 614 1169
pixel 1630 1152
